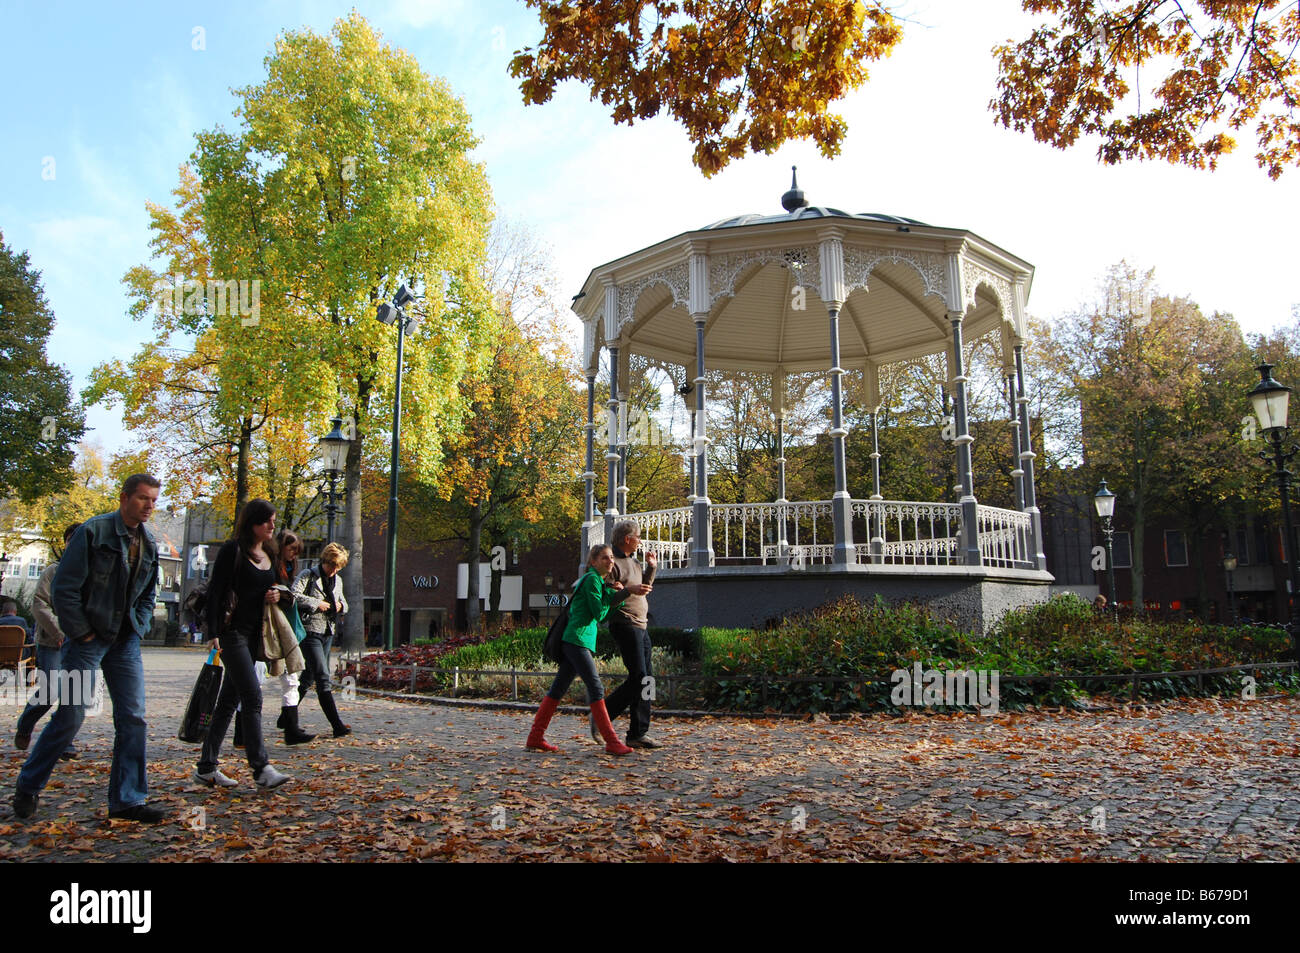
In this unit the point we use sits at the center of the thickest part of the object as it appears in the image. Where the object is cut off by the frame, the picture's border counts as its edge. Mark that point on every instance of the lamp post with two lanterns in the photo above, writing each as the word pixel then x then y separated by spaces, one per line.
pixel 394 314
pixel 1269 400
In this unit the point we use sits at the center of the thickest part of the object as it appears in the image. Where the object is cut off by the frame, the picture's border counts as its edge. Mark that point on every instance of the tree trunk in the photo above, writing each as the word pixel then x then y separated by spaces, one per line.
pixel 354 623
pixel 241 467
pixel 475 545
pixel 1139 541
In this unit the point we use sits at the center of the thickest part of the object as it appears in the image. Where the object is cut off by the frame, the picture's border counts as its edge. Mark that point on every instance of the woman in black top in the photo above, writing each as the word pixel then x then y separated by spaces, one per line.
pixel 243 566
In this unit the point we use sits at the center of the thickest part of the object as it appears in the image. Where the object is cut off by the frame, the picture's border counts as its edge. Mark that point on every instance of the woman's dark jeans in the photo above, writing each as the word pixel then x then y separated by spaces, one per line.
pixel 577 662
pixel 315 652
pixel 317 671
pixel 241 687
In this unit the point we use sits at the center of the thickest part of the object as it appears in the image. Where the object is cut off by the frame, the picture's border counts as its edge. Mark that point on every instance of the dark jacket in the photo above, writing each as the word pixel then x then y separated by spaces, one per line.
pixel 94 590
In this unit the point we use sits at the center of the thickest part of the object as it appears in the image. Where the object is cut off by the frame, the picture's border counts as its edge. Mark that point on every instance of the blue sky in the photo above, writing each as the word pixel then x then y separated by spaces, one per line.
pixel 113 94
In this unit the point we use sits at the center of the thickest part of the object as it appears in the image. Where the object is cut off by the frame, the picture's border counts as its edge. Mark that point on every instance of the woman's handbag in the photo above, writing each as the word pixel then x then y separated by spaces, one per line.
pixel 203 701
pixel 552 649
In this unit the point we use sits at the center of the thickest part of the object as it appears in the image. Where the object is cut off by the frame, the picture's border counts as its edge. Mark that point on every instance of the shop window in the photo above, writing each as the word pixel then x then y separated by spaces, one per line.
pixel 1175 548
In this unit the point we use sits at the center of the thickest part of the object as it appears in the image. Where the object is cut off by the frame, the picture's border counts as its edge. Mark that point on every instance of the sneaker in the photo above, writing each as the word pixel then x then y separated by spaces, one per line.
pixel 144 813
pixel 21 741
pixel 645 741
pixel 70 755
pixel 342 731
pixel 25 804
pixel 269 778
pixel 214 779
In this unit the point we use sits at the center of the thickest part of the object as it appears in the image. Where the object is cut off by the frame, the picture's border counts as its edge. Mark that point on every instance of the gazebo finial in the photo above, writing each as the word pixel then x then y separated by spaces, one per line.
pixel 794 199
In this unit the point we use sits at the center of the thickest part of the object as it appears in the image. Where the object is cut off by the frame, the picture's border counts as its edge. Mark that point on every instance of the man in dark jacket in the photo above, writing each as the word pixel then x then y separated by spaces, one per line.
pixel 104 594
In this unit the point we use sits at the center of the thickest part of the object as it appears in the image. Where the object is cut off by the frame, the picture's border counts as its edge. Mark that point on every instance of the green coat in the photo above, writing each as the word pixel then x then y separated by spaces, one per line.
pixel 589 606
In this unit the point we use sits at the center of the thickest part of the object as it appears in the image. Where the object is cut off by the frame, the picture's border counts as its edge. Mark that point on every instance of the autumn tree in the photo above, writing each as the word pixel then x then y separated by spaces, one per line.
pixel 1208 68
pixel 738 76
pixel 1161 388
pixel 510 473
pixel 41 424
pixel 1163 79
pixel 93 489
pixel 348 175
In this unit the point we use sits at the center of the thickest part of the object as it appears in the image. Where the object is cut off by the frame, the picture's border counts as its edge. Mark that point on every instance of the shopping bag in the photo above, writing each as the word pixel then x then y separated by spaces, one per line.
pixel 203 701
pixel 551 650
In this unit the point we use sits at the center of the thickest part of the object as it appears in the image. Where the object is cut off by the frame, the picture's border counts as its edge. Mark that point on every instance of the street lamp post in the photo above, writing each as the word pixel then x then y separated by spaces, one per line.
pixel 1269 400
pixel 1104 500
pixel 390 314
pixel 1229 567
pixel 334 453
pixel 4 570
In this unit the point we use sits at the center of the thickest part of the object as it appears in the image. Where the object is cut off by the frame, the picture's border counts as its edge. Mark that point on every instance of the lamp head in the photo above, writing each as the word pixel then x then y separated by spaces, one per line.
pixel 1269 400
pixel 386 313
pixel 403 296
pixel 334 447
pixel 1104 500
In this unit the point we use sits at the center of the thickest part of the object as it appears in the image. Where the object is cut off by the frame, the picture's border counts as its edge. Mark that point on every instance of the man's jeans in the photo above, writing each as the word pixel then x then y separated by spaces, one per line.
pixel 47 660
pixel 632 696
pixel 123 671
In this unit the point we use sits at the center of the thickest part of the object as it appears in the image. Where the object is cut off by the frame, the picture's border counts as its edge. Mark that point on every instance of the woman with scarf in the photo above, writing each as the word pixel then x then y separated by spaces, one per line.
pixel 319 592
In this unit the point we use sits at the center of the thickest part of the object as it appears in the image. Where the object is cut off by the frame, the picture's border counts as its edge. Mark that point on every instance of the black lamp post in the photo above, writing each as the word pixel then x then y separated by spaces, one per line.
pixel 1269 400
pixel 334 453
pixel 390 314
pixel 1104 500
pixel 4 570
pixel 549 580
pixel 1230 567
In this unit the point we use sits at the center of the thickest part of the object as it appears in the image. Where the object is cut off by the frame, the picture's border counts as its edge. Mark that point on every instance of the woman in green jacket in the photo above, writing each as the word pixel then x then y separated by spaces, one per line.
pixel 591 602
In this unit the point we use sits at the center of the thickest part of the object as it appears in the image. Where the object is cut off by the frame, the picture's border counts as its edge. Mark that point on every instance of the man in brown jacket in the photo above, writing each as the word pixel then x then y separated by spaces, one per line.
pixel 628 624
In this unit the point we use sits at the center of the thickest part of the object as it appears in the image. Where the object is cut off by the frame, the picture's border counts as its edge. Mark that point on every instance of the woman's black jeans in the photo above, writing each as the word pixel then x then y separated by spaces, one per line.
pixel 577 662
pixel 241 687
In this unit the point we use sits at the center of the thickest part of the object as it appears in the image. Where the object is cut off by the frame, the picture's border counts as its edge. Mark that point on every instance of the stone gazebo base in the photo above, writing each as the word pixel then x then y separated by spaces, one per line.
pixel 974 598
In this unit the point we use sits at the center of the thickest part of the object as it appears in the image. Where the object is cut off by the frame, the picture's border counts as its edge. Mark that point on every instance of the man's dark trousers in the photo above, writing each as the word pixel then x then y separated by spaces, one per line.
pixel 634 694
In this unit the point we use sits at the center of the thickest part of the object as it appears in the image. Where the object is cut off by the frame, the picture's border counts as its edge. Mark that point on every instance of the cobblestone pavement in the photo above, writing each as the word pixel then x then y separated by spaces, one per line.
pixel 1189 781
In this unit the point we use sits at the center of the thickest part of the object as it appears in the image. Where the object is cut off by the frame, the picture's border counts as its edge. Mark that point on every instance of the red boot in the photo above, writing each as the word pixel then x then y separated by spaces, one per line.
pixel 612 744
pixel 543 718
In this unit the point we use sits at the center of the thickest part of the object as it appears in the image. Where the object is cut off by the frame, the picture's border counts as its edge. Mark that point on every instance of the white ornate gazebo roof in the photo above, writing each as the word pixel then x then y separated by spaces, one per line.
pixel 899 280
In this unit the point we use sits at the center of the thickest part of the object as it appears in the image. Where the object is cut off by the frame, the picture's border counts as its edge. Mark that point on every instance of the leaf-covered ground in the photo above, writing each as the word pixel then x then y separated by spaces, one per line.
pixel 1189 780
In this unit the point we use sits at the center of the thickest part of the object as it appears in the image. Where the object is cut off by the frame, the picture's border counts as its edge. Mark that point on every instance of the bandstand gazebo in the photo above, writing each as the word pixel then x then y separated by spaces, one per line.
pixel 816 289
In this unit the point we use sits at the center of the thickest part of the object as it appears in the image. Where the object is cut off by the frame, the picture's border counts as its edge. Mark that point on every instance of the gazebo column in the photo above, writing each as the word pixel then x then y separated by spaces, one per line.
pixel 832 273
pixel 690 459
pixel 1038 557
pixel 970 544
pixel 701 521
pixel 871 380
pixel 778 409
pixel 612 454
pixel 624 379
pixel 589 477
pixel 701 527
pixel 1017 472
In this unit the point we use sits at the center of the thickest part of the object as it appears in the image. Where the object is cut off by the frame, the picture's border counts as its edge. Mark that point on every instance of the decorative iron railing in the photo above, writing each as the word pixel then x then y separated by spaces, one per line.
pixel 799 534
